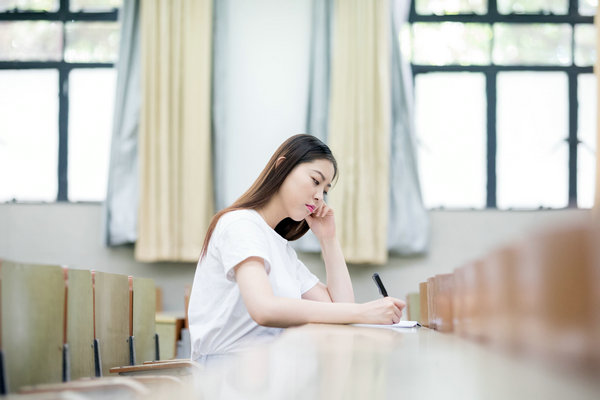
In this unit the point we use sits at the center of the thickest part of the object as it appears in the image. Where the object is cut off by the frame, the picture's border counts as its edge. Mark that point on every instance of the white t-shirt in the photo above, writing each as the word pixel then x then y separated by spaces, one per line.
pixel 218 318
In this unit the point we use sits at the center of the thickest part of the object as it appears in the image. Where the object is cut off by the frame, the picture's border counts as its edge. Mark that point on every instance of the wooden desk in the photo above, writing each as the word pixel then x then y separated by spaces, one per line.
pixel 168 326
pixel 345 362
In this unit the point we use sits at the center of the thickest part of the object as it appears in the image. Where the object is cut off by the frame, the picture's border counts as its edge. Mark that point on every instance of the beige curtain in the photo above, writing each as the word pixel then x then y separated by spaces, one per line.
pixel 176 201
pixel 359 127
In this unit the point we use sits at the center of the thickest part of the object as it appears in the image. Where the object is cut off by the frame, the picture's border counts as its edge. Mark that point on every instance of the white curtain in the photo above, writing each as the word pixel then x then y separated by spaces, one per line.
pixel 408 230
pixel 121 204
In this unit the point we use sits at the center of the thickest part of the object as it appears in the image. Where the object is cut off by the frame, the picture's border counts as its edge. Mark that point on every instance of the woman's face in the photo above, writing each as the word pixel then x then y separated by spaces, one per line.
pixel 303 190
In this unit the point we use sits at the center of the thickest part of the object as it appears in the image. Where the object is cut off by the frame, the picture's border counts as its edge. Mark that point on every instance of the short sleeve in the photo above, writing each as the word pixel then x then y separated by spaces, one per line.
pixel 306 278
pixel 240 240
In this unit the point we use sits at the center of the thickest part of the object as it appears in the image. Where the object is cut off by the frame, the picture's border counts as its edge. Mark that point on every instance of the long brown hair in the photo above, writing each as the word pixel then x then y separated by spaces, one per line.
pixel 296 150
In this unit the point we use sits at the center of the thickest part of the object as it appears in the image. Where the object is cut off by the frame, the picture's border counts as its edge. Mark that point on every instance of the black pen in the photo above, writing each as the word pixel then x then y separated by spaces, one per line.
pixel 379 284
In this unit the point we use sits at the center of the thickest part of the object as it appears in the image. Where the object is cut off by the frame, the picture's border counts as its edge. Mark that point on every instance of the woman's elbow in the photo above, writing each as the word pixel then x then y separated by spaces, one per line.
pixel 260 317
pixel 263 314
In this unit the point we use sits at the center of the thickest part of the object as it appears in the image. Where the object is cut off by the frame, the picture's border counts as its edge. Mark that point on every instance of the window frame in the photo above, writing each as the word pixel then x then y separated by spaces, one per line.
pixel 63 15
pixel 490 71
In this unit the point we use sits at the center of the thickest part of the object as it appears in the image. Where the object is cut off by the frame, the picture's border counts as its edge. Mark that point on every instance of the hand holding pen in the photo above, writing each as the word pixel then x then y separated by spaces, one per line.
pixel 387 310
pixel 379 284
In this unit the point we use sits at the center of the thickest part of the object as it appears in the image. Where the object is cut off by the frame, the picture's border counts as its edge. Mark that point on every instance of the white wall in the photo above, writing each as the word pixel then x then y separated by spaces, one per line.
pixel 71 234
pixel 261 86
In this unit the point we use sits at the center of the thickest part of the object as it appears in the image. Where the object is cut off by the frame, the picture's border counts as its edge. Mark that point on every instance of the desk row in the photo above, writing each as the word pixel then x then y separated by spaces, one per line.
pixel 540 296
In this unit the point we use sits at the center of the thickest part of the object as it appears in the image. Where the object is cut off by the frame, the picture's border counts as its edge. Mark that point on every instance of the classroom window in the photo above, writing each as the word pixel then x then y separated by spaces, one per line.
pixel 586 162
pixel 29 146
pixel 505 102
pixel 532 154
pixel 451 146
pixel 57 80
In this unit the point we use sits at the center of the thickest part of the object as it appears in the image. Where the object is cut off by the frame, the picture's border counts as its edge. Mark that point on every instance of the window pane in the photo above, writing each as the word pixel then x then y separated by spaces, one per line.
pixel 585 45
pixel 586 163
pixel 91 101
pixel 450 119
pixel 588 7
pixel 533 6
pixel 28 146
pixel 30 41
pixel 428 7
pixel 451 43
pixel 92 42
pixel 29 5
pixel 532 44
pixel 94 5
pixel 532 125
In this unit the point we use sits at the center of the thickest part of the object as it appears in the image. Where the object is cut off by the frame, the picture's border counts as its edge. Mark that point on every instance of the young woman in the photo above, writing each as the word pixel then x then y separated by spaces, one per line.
pixel 249 283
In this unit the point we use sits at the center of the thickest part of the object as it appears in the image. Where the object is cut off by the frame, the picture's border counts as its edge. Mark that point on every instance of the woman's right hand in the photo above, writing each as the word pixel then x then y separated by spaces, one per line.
pixel 385 311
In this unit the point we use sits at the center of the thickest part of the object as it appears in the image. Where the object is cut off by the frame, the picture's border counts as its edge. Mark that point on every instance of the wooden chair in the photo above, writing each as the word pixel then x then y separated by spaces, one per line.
pixel 499 270
pixel 169 328
pixel 142 328
pixel 413 306
pixel 469 307
pixel 143 325
pixel 32 315
pixel 80 324
pixel 431 302
pixel 443 302
pixel 106 388
pixel 555 281
pixel 47 396
pixel 3 382
pixel 111 321
pixel 424 319
pixel 458 301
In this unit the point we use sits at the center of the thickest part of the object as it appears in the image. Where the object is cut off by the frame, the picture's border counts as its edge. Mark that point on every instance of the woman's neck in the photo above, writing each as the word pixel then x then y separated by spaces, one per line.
pixel 273 213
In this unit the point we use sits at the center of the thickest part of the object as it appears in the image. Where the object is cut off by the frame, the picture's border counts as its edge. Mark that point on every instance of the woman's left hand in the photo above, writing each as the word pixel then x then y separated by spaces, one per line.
pixel 322 222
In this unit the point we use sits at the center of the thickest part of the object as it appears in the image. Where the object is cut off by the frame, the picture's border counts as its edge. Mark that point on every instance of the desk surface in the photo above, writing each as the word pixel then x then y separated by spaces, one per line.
pixel 346 362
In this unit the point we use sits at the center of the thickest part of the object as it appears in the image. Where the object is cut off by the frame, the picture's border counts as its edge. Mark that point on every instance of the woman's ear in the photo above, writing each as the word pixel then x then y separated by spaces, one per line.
pixel 279 161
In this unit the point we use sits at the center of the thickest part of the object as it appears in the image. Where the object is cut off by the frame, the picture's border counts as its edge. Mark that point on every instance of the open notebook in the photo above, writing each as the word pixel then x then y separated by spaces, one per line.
pixel 401 324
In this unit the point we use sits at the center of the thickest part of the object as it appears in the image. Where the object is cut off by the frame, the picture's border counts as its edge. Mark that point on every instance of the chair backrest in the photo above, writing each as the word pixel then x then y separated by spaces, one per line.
pixel 413 306
pixel 144 311
pixel 111 319
pixel 424 307
pixel 32 319
pixel 80 323
pixel 168 328
pixel 443 302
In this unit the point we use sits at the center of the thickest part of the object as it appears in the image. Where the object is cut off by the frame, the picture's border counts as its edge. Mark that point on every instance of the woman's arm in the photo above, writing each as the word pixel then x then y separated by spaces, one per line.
pixel 269 310
pixel 339 286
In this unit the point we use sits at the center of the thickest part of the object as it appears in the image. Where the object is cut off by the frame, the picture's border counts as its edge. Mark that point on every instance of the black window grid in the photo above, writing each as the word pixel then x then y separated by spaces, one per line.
pixel 64 68
pixel 491 72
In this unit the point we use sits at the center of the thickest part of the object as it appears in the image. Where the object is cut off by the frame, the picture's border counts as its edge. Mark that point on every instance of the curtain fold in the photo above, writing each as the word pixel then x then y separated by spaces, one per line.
pixel 318 89
pixel 320 69
pixel 176 199
pixel 408 227
pixel 408 230
pixel 359 127
pixel 120 207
